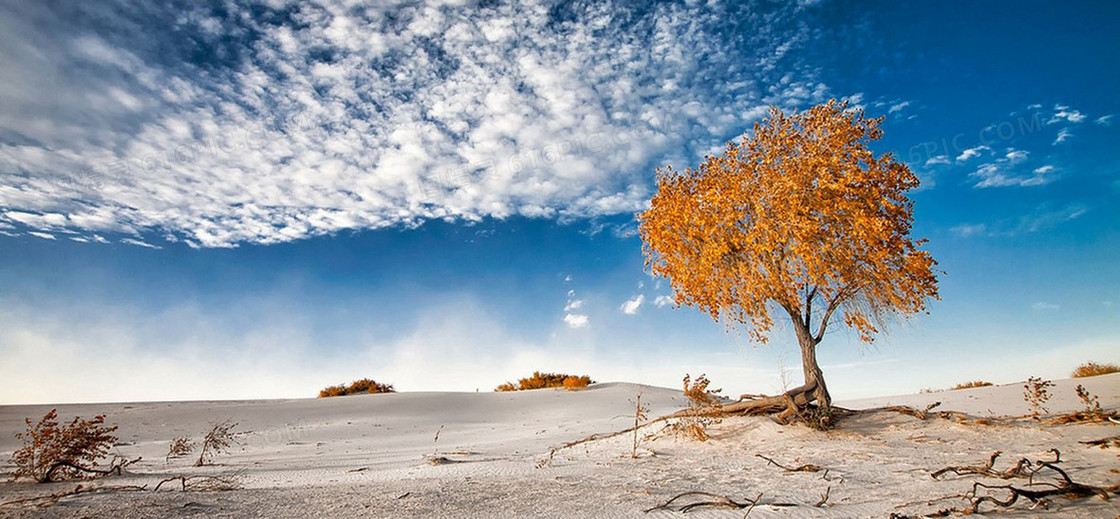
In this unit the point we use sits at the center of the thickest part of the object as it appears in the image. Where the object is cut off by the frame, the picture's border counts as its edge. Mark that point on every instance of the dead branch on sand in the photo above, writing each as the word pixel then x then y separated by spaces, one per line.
pixel 204 483
pixel 1064 486
pixel 1104 443
pixel 802 468
pixel 187 483
pixel 923 414
pixel 115 468
pixel 50 499
pixel 715 501
pixel 1019 470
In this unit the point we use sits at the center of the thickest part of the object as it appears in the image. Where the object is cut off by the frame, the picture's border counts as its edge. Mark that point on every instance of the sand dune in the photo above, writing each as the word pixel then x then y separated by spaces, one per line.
pixel 371 455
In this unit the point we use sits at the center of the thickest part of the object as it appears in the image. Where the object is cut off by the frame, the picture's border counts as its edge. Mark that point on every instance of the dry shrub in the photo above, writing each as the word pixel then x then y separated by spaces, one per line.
pixel 1035 394
pixel 970 385
pixel 220 438
pixel 545 380
pixel 365 385
pixel 52 451
pixel 1092 369
pixel 704 407
pixel 1092 412
pixel 179 447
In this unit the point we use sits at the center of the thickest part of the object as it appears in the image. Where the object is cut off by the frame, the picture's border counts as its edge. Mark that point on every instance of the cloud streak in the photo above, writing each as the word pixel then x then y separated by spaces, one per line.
pixel 268 123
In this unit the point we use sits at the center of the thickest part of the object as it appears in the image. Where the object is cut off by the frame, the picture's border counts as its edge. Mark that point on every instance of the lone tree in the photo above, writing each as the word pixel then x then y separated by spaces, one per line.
pixel 800 219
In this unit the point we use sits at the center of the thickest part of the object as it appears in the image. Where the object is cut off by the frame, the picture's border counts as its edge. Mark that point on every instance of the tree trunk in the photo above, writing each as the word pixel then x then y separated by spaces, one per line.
pixel 814 377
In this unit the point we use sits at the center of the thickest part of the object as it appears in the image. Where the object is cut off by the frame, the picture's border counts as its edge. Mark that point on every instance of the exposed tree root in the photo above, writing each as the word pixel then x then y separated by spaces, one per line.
pixel 1021 469
pixel 923 414
pixel 802 468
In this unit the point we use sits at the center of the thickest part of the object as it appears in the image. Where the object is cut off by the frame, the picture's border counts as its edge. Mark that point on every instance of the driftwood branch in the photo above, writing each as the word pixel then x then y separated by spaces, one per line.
pixel 1104 443
pixel 80 489
pixel 1064 486
pixel 114 469
pixel 1020 469
pixel 715 501
pixel 824 498
pixel 803 468
pixel 923 414
pixel 204 483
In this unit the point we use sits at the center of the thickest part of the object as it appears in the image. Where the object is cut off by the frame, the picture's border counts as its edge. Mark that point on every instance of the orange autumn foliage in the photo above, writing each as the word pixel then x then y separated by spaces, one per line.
pixel 801 218
pixel 803 214
pixel 541 380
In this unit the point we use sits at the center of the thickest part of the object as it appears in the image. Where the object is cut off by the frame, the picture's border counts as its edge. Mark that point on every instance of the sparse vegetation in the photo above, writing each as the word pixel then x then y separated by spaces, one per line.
pixel 52 452
pixel 220 438
pixel 704 407
pixel 1092 369
pixel 640 415
pixel 1092 412
pixel 970 385
pixel 545 380
pixel 179 447
pixel 365 385
pixel 1035 394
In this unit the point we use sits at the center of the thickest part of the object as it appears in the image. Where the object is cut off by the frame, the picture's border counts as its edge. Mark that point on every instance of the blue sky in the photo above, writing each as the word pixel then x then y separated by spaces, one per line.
pixel 259 199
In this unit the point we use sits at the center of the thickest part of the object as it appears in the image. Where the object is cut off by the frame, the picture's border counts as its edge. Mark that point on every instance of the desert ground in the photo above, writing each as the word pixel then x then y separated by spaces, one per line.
pixel 488 455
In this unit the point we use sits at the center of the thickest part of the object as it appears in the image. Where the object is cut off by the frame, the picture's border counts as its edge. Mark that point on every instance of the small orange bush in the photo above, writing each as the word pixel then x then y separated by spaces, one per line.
pixel 542 380
pixel 365 385
pixel 1092 369
pixel 573 383
pixel 970 385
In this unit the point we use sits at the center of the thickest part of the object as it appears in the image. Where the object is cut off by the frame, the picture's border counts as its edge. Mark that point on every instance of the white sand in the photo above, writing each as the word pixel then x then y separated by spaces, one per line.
pixel 368 456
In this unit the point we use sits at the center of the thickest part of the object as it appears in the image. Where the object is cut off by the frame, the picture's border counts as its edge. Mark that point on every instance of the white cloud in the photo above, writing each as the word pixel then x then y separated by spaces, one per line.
pixel 1015 156
pixel 1064 113
pixel 662 300
pixel 939 159
pixel 1044 306
pixel 968 230
pixel 972 152
pixel 1063 135
pixel 573 305
pixel 577 320
pixel 898 107
pixel 43 235
pixel 1001 172
pixel 1104 120
pixel 139 243
pixel 631 306
pixel 364 119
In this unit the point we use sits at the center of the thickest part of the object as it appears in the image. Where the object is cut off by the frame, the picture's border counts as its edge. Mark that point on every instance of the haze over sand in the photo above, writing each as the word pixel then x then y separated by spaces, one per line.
pixel 368 456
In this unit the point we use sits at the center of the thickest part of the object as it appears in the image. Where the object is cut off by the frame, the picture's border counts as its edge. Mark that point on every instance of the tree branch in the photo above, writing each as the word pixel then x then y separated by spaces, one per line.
pixel 841 296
